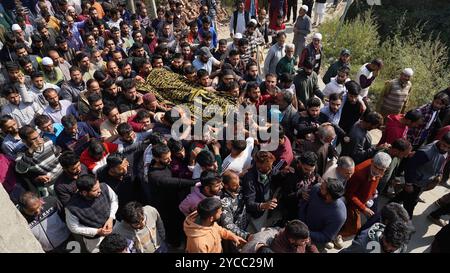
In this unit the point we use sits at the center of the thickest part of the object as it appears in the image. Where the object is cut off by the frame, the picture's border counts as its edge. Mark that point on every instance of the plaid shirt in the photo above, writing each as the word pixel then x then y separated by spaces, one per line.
pixel 418 135
pixel 254 41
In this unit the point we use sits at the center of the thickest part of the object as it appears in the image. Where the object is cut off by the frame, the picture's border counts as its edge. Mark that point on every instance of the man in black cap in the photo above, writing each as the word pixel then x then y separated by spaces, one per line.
pixel 344 60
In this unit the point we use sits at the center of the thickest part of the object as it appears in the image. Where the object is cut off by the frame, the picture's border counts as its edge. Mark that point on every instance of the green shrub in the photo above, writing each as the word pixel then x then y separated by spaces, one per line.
pixel 359 35
pixel 421 51
pixel 427 56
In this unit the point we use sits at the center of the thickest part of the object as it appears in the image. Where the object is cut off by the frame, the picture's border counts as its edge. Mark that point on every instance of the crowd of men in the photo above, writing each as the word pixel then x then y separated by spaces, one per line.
pixel 88 157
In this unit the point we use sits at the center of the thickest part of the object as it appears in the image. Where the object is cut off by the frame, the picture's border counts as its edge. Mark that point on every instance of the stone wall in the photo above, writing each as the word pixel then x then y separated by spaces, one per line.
pixel 15 236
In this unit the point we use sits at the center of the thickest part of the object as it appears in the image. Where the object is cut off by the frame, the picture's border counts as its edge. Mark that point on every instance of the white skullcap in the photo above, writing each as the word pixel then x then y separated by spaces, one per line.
pixel 238 36
pixel 408 72
pixel 47 61
pixel 317 36
pixel 71 8
pixel 305 8
pixel 254 21
pixel 15 27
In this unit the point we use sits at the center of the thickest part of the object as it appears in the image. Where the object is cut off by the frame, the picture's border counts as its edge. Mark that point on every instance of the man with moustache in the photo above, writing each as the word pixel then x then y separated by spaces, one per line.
pixel 56 108
pixel 334 109
pixel 306 85
pixel 64 50
pixel 127 138
pixel 71 89
pixel 48 129
pixel 165 190
pixel 130 99
pixel 259 192
pixel 251 73
pixel 112 70
pixel 65 185
pixel 45 218
pixel 210 186
pixel 396 93
pixel 85 65
pixel 12 144
pixel 35 92
pixel 75 135
pixel 110 92
pixel 296 183
pixel 430 113
pixel 344 60
pixel 234 214
pixel 337 84
pixel 361 190
pixel 52 74
pixel 39 162
pixel 307 122
pixel 91 211
pixel 115 174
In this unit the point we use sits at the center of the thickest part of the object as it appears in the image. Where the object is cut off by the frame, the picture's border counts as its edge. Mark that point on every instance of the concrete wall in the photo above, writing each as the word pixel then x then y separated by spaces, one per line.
pixel 15 236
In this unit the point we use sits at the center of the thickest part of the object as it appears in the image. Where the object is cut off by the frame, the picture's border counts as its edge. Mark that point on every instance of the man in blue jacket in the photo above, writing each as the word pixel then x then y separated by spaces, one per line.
pixel 325 211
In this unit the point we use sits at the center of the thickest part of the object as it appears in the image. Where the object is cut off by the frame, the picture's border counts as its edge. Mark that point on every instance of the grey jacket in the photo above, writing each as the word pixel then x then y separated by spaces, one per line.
pixel 148 239
pixel 302 27
pixel 69 91
pixel 426 163
pixel 48 227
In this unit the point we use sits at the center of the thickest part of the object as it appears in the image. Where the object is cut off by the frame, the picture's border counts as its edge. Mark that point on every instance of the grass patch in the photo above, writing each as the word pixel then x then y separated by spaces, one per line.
pixel 421 51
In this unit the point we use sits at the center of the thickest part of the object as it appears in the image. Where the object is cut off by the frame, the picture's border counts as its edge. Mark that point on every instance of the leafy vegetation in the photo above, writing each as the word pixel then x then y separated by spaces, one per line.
pixel 403 47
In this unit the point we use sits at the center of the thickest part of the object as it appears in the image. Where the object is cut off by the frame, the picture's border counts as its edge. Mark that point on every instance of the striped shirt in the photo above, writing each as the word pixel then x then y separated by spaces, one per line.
pixel 246 57
pixel 396 95
pixel 254 40
pixel 41 162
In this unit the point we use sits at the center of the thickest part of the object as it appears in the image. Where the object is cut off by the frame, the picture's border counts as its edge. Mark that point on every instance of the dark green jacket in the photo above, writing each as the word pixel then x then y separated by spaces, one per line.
pixel 285 65
pixel 333 70
pixel 307 86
